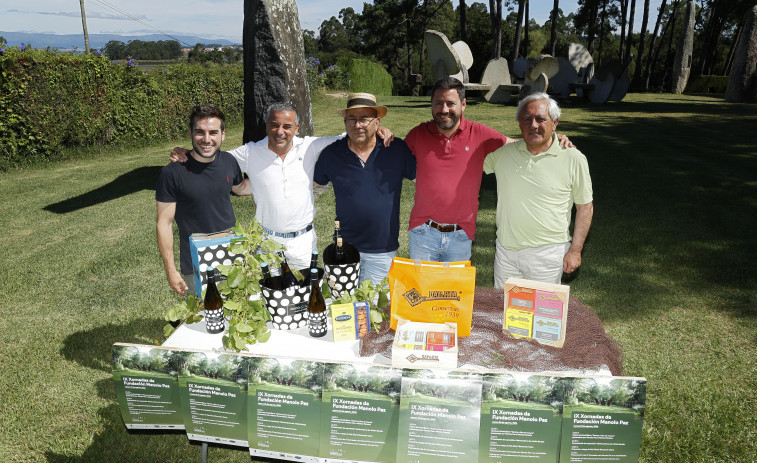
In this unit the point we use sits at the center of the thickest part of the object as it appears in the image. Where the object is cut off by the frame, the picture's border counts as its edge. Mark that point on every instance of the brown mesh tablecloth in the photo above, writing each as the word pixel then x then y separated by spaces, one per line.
pixel 587 346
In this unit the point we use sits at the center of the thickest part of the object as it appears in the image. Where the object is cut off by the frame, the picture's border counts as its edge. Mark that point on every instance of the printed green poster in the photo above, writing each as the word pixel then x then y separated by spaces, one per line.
pixel 439 416
pixel 147 388
pixel 602 418
pixel 521 418
pixel 213 388
pixel 360 413
pixel 284 408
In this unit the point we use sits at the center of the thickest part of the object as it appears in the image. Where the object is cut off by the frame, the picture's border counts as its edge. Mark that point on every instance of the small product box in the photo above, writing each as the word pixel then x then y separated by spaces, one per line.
pixel 521 297
pixel 536 310
pixel 519 322
pixel 209 250
pixel 547 329
pixel 425 345
pixel 439 340
pixel 350 321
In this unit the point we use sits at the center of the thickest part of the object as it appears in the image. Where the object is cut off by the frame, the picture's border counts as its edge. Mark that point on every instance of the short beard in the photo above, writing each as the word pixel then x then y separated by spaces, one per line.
pixel 454 120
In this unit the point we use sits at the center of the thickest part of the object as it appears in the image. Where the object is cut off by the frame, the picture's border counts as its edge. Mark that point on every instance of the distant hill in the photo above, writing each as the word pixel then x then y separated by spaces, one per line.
pixel 70 41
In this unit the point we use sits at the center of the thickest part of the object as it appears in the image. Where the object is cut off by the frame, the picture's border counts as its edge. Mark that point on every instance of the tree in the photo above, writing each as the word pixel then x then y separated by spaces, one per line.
pixel 526 29
pixel 623 12
pixel 332 36
pixel 553 27
pixel 462 11
pixel 495 13
pixel 636 83
pixel 408 20
pixel 518 28
pixel 629 41
pixel 115 49
pixel 565 33
pixel 653 48
pixel 311 43
pixel 586 20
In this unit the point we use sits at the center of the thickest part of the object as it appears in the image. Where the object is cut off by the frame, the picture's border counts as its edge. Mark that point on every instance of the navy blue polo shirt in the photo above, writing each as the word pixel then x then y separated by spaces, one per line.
pixel 367 196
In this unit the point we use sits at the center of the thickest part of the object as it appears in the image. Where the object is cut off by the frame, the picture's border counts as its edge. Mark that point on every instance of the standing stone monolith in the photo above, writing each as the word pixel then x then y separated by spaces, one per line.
pixel 274 64
pixel 742 82
pixel 682 62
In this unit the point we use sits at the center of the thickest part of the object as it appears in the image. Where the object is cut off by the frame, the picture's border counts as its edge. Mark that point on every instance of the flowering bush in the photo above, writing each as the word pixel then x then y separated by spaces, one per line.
pixel 337 78
pixel 333 77
pixel 316 79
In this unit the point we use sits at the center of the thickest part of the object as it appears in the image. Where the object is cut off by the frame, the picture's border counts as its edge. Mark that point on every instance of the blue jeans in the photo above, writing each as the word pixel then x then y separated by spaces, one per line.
pixel 430 244
pixel 375 266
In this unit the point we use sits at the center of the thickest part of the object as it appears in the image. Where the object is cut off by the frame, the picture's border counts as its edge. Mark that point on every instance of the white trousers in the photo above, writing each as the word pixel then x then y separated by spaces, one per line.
pixel 298 249
pixel 540 264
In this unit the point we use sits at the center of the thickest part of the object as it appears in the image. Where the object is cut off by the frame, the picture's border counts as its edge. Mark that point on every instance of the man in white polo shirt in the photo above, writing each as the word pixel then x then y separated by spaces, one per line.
pixel 280 170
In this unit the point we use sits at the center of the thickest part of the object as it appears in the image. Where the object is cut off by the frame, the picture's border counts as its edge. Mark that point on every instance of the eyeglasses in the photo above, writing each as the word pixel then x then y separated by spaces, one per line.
pixel 352 121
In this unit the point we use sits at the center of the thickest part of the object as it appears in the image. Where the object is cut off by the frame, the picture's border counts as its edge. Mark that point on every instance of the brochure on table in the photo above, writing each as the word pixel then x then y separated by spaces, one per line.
pixel 439 416
pixel 521 418
pixel 147 386
pixel 284 408
pixel 307 410
pixel 602 419
pixel 213 393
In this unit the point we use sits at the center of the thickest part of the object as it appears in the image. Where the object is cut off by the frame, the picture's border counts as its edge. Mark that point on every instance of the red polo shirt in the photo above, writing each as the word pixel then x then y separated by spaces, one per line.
pixel 448 175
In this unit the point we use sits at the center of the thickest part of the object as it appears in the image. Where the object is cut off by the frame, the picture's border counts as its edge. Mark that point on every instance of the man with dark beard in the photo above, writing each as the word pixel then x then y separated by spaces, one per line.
pixel 196 194
pixel 450 152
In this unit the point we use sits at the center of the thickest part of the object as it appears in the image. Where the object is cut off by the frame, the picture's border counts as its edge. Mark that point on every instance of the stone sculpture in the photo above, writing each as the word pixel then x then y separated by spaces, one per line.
pixel 742 82
pixel 274 64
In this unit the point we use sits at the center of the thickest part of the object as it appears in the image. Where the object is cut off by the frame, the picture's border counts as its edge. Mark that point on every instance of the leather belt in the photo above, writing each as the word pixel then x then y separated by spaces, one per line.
pixel 293 234
pixel 444 228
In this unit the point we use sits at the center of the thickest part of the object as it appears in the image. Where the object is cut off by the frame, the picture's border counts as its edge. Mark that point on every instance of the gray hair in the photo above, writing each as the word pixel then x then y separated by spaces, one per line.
pixel 552 107
pixel 279 107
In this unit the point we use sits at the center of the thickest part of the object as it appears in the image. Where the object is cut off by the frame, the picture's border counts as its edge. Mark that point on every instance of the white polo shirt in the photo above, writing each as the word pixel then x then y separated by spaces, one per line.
pixel 283 190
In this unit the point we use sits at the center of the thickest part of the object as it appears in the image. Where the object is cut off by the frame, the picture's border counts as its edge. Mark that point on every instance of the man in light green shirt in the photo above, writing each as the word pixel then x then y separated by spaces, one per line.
pixel 537 185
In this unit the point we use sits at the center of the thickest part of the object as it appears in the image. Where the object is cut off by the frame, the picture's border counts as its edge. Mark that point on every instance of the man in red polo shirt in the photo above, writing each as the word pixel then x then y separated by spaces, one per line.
pixel 450 152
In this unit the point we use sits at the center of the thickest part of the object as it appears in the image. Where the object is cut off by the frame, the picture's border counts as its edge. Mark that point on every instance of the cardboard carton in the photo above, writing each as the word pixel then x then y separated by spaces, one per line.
pixel 536 310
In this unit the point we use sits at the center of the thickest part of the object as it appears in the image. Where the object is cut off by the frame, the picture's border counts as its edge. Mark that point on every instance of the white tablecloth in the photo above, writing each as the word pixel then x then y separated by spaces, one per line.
pixel 295 343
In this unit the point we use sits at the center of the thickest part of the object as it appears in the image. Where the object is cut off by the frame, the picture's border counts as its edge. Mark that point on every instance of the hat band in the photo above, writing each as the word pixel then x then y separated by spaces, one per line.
pixel 360 101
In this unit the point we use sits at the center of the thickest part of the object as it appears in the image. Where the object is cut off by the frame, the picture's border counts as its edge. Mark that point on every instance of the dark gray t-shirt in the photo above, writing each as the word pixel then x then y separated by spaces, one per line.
pixel 201 193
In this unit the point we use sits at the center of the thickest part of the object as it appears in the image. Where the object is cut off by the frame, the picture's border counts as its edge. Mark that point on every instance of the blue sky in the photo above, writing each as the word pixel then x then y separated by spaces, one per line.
pixel 206 18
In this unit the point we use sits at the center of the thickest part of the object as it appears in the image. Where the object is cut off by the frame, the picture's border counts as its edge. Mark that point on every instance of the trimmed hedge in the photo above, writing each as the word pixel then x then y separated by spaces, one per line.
pixel 366 76
pixel 707 84
pixel 53 100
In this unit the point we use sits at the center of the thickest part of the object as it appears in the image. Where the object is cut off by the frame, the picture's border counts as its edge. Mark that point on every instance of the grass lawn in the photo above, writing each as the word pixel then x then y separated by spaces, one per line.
pixel 669 268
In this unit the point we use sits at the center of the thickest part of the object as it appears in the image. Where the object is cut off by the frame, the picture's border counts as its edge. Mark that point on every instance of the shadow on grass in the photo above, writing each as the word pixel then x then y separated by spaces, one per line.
pixel 93 348
pixel 113 442
pixel 142 178
pixel 675 205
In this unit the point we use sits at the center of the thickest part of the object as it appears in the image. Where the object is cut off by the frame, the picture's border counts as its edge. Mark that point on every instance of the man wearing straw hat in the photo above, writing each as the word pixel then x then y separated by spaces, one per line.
pixel 367 179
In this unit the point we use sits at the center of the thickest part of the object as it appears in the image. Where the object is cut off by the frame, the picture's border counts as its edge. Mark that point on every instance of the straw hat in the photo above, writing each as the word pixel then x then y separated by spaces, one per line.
pixel 363 100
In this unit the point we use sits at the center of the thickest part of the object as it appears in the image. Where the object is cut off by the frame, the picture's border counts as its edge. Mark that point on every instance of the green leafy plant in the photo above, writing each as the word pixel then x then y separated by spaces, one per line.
pixel 377 297
pixel 243 305
pixel 187 311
